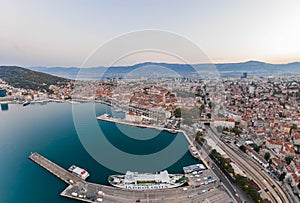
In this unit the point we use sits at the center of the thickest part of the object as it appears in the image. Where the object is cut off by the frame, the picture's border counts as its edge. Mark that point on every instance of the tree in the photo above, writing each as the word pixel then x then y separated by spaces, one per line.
pixel 256 148
pixel 210 105
pixel 243 148
pixel 267 156
pixel 209 115
pixel 202 108
pixel 282 176
pixel 288 160
pixel 225 129
pixel 270 162
pixel 293 127
pixel 200 138
pixel 177 113
pixel 236 130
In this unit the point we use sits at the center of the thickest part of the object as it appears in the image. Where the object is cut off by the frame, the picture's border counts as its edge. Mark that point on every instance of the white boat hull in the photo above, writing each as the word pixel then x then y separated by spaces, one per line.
pixel 146 187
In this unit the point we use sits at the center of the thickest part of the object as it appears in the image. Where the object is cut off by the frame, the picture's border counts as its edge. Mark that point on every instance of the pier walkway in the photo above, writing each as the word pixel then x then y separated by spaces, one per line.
pixel 55 169
pixel 82 190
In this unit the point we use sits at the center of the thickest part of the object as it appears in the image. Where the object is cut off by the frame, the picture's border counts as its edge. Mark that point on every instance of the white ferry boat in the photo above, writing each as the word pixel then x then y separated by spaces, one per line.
pixel 194 152
pixel 81 173
pixel 147 181
pixel 192 168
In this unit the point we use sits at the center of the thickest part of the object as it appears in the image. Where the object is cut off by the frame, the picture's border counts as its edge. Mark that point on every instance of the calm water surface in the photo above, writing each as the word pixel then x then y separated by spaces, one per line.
pixel 49 130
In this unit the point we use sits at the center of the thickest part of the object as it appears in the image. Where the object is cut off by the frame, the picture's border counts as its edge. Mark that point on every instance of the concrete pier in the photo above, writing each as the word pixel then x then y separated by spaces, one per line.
pixel 55 169
pixel 105 117
pixel 82 190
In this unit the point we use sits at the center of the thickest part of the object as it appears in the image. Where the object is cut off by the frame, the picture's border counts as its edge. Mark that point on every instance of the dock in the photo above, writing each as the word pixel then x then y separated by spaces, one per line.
pixel 81 190
pixel 105 117
pixel 55 169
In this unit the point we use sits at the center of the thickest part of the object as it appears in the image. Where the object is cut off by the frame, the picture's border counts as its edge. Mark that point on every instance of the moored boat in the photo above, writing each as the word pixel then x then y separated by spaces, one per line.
pixel 192 168
pixel 147 181
pixel 81 173
pixel 26 103
pixel 194 152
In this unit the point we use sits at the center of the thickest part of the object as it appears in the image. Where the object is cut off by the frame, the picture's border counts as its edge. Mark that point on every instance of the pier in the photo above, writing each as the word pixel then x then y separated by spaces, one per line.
pixel 82 190
pixel 55 169
pixel 105 117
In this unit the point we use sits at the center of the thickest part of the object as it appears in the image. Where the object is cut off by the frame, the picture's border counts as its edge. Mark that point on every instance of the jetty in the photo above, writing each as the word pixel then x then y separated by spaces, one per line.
pixel 106 117
pixel 82 190
pixel 55 169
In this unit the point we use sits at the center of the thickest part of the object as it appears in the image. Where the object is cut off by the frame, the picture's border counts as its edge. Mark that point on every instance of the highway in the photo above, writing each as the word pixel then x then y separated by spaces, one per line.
pixel 266 183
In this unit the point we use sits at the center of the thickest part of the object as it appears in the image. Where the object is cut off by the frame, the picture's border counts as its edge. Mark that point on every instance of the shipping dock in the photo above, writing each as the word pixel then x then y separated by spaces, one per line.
pixel 81 190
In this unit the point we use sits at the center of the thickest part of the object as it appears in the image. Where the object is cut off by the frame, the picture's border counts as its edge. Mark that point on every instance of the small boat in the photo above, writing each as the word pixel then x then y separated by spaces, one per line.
pixel 118 110
pixel 82 173
pixel 192 168
pixel 26 103
pixel 194 152
pixel 172 131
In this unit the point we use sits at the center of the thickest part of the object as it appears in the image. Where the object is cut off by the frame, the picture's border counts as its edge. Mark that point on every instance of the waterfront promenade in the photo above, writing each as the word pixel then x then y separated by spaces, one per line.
pixel 91 192
pixel 105 117
pixel 202 153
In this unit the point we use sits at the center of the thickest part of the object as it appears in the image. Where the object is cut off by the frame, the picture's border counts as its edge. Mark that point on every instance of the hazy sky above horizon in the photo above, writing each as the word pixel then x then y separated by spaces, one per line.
pixel 66 32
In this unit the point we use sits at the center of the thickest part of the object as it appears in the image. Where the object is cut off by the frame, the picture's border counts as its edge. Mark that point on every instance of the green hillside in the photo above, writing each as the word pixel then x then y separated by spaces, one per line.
pixel 23 78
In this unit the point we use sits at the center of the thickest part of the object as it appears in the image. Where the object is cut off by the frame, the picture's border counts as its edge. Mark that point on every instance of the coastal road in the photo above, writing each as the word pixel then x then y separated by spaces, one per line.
pixel 267 184
pixel 235 192
pixel 204 156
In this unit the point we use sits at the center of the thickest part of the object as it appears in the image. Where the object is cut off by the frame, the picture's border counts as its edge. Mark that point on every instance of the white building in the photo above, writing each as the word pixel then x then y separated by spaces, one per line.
pixel 224 122
pixel 133 117
pixel 251 90
pixel 134 177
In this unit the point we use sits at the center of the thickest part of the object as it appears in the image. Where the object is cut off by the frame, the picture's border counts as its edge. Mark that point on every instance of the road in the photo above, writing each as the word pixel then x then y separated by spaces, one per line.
pixel 226 179
pixel 206 159
pixel 266 183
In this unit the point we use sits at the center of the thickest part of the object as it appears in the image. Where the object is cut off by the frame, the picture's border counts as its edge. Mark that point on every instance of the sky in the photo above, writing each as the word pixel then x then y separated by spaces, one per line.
pixel 67 32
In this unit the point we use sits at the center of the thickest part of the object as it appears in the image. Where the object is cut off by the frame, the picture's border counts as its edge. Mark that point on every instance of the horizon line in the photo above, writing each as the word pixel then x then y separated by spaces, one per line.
pixel 153 62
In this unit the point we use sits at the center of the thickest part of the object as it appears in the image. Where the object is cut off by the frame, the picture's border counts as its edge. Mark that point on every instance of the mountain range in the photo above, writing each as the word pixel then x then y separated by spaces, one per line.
pixel 224 70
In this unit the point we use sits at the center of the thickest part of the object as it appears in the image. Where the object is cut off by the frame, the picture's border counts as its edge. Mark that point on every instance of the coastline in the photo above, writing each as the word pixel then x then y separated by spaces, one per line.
pixel 105 117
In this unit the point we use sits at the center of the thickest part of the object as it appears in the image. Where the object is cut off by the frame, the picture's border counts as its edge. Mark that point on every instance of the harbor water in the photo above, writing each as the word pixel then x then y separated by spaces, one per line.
pixel 49 130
